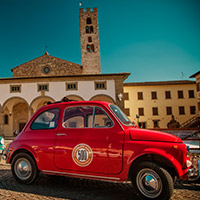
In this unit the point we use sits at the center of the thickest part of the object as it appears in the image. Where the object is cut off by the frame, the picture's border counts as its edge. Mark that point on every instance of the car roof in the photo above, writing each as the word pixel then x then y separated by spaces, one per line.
pixel 77 103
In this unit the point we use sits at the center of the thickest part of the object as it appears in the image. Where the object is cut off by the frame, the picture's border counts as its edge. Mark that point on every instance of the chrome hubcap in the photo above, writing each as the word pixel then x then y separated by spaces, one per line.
pixel 23 169
pixel 149 183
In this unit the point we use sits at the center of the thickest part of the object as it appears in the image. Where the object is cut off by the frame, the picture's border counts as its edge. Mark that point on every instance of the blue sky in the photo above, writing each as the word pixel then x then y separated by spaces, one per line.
pixel 154 40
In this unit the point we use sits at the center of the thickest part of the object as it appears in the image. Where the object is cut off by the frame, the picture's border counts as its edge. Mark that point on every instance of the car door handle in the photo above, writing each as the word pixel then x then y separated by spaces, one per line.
pixel 61 134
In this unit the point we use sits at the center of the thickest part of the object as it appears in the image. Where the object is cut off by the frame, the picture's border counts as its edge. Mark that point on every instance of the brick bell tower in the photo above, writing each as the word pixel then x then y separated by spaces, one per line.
pixel 89 33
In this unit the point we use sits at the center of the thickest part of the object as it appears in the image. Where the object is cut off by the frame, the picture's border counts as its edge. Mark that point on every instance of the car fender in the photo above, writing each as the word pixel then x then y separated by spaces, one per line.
pixel 162 153
pixel 25 149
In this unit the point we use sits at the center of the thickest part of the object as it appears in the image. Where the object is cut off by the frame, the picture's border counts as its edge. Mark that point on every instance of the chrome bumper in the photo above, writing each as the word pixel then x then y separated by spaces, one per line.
pixel 194 171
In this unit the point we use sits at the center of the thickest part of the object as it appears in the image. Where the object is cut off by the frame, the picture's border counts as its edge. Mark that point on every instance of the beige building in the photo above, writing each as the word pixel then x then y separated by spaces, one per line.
pixel 154 103
pixel 197 76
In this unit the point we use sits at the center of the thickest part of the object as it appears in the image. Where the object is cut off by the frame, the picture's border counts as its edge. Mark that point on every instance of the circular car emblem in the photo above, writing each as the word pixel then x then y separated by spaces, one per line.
pixel 82 155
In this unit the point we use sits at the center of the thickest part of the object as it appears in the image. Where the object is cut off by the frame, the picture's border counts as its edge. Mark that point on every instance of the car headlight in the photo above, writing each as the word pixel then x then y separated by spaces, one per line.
pixel 2 141
pixel 188 163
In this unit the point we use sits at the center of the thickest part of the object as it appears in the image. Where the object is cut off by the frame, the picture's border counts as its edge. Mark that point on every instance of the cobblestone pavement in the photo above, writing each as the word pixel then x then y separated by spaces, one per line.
pixel 58 188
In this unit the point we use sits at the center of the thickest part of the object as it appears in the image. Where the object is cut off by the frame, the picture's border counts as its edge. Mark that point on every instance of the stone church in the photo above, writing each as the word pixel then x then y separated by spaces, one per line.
pixel 48 78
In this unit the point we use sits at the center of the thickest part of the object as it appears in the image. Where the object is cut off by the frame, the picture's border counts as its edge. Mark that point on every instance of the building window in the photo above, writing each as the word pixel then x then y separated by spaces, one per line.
pixel 153 95
pixel 100 85
pixel 43 87
pixel 72 86
pixel 169 110
pixel 192 110
pixel 15 88
pixel 180 94
pixel 142 124
pixel 89 20
pixel 6 119
pixel 126 96
pixel 89 29
pixel 141 111
pixel 127 111
pixel 155 110
pixel 140 95
pixel 181 110
pixel 156 123
pixel 89 39
pixel 191 93
pixel 198 87
pixel 167 94
pixel 90 48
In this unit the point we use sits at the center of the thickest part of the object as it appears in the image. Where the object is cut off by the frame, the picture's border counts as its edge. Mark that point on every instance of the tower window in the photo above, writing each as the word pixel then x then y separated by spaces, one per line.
pixel 89 20
pixel 90 48
pixel 89 39
pixel 89 29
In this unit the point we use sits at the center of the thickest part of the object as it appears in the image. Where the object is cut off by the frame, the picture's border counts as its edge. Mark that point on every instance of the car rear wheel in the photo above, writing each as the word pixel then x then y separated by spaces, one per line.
pixel 24 168
pixel 151 181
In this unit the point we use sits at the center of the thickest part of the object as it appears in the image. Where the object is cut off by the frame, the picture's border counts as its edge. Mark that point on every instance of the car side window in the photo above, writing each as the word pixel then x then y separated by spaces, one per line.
pixel 101 119
pixel 46 120
pixel 76 117
pixel 86 117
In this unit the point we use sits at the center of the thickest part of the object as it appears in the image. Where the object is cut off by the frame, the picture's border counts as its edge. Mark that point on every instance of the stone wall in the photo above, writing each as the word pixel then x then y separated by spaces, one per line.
pixel 47 65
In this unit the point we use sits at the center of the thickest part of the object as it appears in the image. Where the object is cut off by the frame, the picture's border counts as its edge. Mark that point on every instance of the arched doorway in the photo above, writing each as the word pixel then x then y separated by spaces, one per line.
pixel 75 97
pixel 15 115
pixel 39 102
pixel 102 97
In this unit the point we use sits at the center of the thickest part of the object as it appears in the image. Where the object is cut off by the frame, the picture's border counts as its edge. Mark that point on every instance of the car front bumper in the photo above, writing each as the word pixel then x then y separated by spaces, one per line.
pixel 194 170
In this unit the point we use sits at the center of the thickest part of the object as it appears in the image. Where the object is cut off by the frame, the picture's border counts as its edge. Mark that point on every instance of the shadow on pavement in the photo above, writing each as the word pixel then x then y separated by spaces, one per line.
pixel 57 187
pixel 69 188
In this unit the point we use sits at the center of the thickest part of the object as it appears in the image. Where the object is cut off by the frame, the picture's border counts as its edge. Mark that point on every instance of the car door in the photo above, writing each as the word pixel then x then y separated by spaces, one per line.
pixel 40 136
pixel 89 141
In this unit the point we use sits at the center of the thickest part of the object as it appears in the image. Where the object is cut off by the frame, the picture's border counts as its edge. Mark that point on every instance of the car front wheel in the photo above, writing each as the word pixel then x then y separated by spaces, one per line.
pixel 151 181
pixel 24 168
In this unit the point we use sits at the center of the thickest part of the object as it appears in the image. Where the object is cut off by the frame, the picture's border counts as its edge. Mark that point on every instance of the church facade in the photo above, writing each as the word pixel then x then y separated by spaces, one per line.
pixel 49 79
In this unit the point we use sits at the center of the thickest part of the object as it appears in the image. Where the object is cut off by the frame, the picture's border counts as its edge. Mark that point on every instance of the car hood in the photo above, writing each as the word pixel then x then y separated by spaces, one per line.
pixel 148 135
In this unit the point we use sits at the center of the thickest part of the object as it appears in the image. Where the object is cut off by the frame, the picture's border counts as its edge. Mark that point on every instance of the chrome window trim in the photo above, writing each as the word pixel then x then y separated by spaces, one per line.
pixel 92 118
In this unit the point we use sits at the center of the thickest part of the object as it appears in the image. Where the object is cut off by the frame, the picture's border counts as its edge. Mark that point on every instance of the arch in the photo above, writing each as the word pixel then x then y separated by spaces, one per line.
pixel 14 100
pixel 88 20
pixel 75 97
pixel 40 101
pixel 89 29
pixel 102 97
pixel 17 111
pixel 89 39
pixel 20 116
pixel 90 48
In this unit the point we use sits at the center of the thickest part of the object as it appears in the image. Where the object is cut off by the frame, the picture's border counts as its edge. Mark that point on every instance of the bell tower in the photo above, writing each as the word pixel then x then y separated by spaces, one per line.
pixel 89 34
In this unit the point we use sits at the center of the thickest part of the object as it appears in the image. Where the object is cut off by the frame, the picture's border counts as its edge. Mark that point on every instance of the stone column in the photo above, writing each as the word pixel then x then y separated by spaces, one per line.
pixel 2 122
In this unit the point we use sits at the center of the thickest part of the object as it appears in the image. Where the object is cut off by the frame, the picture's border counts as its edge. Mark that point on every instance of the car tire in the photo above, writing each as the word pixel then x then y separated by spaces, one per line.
pixel 150 181
pixel 24 168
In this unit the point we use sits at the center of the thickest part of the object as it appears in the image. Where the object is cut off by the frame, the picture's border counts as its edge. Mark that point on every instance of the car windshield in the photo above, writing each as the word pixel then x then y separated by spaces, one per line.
pixel 120 115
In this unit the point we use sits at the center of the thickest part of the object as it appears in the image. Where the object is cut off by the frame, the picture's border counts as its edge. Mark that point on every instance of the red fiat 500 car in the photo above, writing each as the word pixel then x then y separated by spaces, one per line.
pixel 96 140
